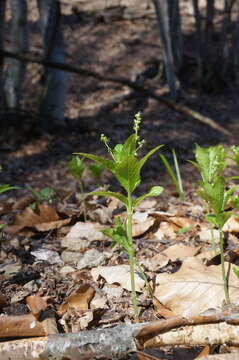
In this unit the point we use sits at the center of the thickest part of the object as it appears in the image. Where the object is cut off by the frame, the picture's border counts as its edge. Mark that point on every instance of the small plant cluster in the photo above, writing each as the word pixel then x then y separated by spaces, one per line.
pixel 3 189
pixel 126 167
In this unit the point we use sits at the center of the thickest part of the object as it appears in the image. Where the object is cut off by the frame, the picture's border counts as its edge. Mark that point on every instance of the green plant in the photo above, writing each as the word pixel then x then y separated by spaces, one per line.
pixel 77 167
pixel 211 164
pixel 126 167
pixel 47 195
pixel 175 176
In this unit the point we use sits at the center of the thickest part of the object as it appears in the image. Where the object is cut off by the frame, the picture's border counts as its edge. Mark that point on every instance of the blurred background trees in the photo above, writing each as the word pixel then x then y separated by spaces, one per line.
pixel 212 60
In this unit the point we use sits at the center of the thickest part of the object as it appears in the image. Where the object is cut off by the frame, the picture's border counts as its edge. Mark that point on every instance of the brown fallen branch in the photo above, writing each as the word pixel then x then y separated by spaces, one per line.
pixel 120 80
pixel 116 342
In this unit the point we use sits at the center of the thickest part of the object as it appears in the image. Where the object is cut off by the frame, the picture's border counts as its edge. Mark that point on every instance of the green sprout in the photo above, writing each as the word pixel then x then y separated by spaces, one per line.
pixel 47 195
pixel 77 168
pixel 126 168
pixel 211 164
pixel 175 175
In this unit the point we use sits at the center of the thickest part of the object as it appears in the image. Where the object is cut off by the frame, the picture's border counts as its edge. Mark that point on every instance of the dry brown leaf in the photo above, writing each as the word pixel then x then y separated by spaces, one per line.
pixel 78 300
pixel 194 288
pixel 2 301
pixel 36 304
pixel 119 274
pixel 47 219
pixel 161 310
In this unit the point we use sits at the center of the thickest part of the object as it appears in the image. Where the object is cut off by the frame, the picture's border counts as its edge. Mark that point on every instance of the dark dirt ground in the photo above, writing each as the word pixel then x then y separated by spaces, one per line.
pixel 116 46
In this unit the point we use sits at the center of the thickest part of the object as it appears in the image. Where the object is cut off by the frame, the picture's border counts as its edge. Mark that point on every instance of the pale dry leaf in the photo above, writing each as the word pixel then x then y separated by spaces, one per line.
pixel 173 253
pixel 169 229
pixel 182 221
pixel 43 254
pixel 91 258
pixel 147 204
pixel 232 225
pixel 118 274
pixel 141 227
pixel 78 300
pixel 194 288
pixel 81 234
pixel 98 302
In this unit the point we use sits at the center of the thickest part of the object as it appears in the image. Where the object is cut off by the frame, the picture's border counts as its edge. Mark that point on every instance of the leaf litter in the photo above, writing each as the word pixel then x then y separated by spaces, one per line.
pixel 89 286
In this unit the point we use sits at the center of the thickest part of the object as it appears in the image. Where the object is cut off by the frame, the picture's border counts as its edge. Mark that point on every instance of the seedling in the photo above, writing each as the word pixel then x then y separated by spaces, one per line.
pixel 47 195
pixel 126 167
pixel 77 167
pixel 211 164
pixel 175 175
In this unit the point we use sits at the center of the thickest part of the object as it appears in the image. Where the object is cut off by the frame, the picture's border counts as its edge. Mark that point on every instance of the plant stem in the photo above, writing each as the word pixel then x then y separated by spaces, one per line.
pixel 132 257
pixel 214 245
pixel 224 277
pixel 83 199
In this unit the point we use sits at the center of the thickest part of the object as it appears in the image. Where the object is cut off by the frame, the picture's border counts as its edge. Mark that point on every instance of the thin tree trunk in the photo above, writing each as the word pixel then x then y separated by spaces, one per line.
pixel 19 42
pixel 2 23
pixel 236 48
pixel 209 25
pixel 163 18
pixel 199 40
pixel 52 106
pixel 176 33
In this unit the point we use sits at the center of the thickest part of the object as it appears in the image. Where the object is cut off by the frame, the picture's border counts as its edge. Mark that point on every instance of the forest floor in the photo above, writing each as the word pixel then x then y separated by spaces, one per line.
pixel 47 248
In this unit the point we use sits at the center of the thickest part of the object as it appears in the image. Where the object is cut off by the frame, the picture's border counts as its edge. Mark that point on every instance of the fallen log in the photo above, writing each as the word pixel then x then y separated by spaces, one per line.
pixel 117 342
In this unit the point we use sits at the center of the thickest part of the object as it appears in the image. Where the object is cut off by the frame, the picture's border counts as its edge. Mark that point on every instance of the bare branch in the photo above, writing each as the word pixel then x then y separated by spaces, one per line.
pixel 123 81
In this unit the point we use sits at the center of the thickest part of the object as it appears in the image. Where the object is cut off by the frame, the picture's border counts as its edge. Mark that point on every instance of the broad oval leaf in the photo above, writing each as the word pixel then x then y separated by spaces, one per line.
pixel 108 164
pixel 154 191
pixel 118 196
pixel 127 172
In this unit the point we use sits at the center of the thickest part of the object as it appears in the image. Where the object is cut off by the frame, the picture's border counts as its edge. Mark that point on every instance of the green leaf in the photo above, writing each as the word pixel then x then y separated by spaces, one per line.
pixel 127 172
pixel 6 187
pixel 118 152
pixel 96 169
pixel 215 192
pixel 184 229
pixel 130 145
pixel 154 191
pixel 170 171
pixel 118 235
pixel 77 167
pixel 178 175
pixel 145 158
pixel 108 164
pixel 236 270
pixel 211 162
pixel 118 196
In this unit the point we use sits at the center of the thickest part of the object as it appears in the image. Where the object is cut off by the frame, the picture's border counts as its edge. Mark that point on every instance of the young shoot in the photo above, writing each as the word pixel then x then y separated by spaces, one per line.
pixel 126 168
pixel 175 175
pixel 211 164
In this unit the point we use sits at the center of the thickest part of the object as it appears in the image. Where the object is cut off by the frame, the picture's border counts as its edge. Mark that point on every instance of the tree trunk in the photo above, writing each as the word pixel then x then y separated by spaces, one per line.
pixel 15 68
pixel 53 99
pixel 165 17
pixel 2 23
